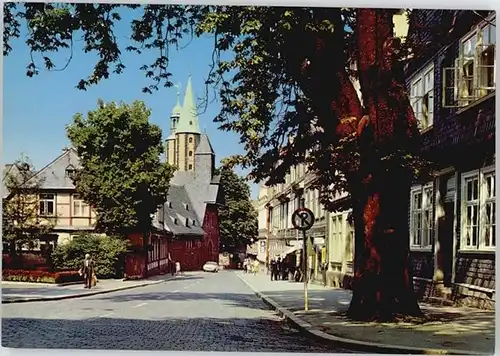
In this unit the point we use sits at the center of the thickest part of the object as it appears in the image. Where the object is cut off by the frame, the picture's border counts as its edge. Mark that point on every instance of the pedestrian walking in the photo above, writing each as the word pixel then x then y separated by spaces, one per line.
pixel 274 269
pixel 255 267
pixel 177 268
pixel 279 272
pixel 87 271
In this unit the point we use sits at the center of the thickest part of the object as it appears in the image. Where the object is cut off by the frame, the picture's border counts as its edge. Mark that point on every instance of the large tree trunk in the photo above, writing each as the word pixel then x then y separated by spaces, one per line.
pixel 383 285
pixel 384 123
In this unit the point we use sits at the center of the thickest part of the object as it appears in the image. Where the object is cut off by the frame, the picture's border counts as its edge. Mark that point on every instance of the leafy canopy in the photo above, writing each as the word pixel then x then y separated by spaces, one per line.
pixel 272 83
pixel 21 222
pixel 238 218
pixel 121 175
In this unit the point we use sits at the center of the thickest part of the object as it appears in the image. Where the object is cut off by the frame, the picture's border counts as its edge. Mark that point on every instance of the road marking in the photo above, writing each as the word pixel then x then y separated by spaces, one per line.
pixel 140 305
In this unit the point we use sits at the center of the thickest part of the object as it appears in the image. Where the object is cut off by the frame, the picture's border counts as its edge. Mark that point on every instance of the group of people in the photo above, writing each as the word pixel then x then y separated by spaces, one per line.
pixel 280 269
pixel 87 271
pixel 250 266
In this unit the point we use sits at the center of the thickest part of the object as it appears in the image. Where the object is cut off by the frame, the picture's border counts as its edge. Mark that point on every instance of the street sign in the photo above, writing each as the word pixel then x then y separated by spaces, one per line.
pixel 302 219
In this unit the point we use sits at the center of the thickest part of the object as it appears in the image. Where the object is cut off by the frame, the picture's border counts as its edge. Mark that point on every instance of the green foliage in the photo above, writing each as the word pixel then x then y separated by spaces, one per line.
pixel 107 251
pixel 121 176
pixel 270 90
pixel 21 222
pixel 238 218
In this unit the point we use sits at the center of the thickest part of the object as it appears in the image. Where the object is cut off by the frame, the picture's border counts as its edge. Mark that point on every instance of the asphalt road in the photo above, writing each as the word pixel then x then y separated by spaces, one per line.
pixel 195 312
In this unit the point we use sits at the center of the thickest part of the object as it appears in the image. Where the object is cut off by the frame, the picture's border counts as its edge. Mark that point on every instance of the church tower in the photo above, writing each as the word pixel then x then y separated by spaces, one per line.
pixel 184 132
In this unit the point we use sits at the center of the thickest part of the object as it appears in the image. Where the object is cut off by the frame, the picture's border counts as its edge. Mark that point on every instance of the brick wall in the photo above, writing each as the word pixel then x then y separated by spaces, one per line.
pixel 477 270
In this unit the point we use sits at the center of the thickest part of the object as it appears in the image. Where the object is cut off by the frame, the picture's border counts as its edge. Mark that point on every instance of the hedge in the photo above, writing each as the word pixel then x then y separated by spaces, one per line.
pixel 17 275
pixel 108 253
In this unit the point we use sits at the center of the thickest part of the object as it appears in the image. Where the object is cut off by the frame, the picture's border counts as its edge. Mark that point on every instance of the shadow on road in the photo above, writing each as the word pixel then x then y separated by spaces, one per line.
pixel 246 300
pixel 32 290
pixel 193 334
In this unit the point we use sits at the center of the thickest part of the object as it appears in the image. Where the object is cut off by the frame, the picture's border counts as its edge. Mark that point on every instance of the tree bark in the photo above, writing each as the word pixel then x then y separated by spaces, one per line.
pixel 384 123
pixel 383 285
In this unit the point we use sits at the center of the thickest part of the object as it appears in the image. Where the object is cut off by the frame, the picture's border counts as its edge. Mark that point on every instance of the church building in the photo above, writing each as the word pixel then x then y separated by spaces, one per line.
pixel 186 228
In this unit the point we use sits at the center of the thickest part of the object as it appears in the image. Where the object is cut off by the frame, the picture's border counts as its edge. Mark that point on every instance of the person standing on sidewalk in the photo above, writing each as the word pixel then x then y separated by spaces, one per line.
pixel 177 268
pixel 274 268
pixel 87 271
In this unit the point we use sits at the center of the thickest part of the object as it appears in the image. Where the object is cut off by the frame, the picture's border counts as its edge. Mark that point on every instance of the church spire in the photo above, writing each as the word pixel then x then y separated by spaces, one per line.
pixel 188 122
pixel 177 108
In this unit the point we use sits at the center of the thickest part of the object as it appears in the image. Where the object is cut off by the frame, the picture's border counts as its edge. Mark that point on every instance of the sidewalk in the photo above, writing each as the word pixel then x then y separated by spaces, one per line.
pixel 19 292
pixel 456 331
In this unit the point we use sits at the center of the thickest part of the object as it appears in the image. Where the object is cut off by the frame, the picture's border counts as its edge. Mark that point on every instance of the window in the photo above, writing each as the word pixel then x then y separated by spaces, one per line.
pixel 315 198
pixel 190 140
pixel 321 210
pixel 47 204
pixel 478 210
pixel 190 153
pixel 473 75
pixel 187 207
pixel 80 208
pixel 190 123
pixel 421 218
pixel 336 230
pixel 422 97
pixel 187 222
pixel 350 241
pixel 70 171
pixel 287 210
pixel 282 216
pixel 190 167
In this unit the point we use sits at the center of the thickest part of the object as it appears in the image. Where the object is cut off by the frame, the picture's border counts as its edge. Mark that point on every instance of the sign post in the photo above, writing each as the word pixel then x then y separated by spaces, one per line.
pixel 303 220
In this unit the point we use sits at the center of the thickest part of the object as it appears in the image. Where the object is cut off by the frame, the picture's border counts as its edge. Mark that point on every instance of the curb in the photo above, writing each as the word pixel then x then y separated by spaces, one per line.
pixel 73 296
pixel 365 346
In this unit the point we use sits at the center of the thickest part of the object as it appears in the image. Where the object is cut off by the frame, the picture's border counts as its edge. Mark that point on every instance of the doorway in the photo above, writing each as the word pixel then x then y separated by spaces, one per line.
pixel 447 187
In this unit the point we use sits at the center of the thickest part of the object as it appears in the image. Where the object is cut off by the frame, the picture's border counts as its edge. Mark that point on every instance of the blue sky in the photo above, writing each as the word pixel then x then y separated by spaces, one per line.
pixel 36 110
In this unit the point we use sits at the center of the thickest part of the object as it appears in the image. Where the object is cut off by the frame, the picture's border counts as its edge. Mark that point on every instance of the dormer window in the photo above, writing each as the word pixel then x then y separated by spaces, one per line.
pixel 187 222
pixel 70 171
pixel 194 222
pixel 176 221
pixel 169 203
pixel 190 123
pixel 187 207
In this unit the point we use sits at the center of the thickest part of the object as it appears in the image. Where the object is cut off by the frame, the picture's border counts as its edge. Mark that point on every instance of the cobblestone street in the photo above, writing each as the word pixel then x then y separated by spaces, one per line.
pixel 198 312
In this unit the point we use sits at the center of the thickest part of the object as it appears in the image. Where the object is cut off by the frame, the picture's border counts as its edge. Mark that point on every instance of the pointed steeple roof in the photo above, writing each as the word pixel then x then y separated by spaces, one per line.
pixel 204 147
pixel 177 108
pixel 188 122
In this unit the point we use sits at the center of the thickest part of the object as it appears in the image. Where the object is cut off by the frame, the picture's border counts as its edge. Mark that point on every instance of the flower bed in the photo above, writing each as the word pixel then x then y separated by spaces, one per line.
pixel 40 276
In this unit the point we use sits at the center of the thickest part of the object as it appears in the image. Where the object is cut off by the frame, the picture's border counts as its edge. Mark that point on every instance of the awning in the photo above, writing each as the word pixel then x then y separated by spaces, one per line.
pixel 292 249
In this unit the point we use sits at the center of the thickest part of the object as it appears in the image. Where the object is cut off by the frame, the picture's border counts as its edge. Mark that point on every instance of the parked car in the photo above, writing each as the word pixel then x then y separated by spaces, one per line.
pixel 211 267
